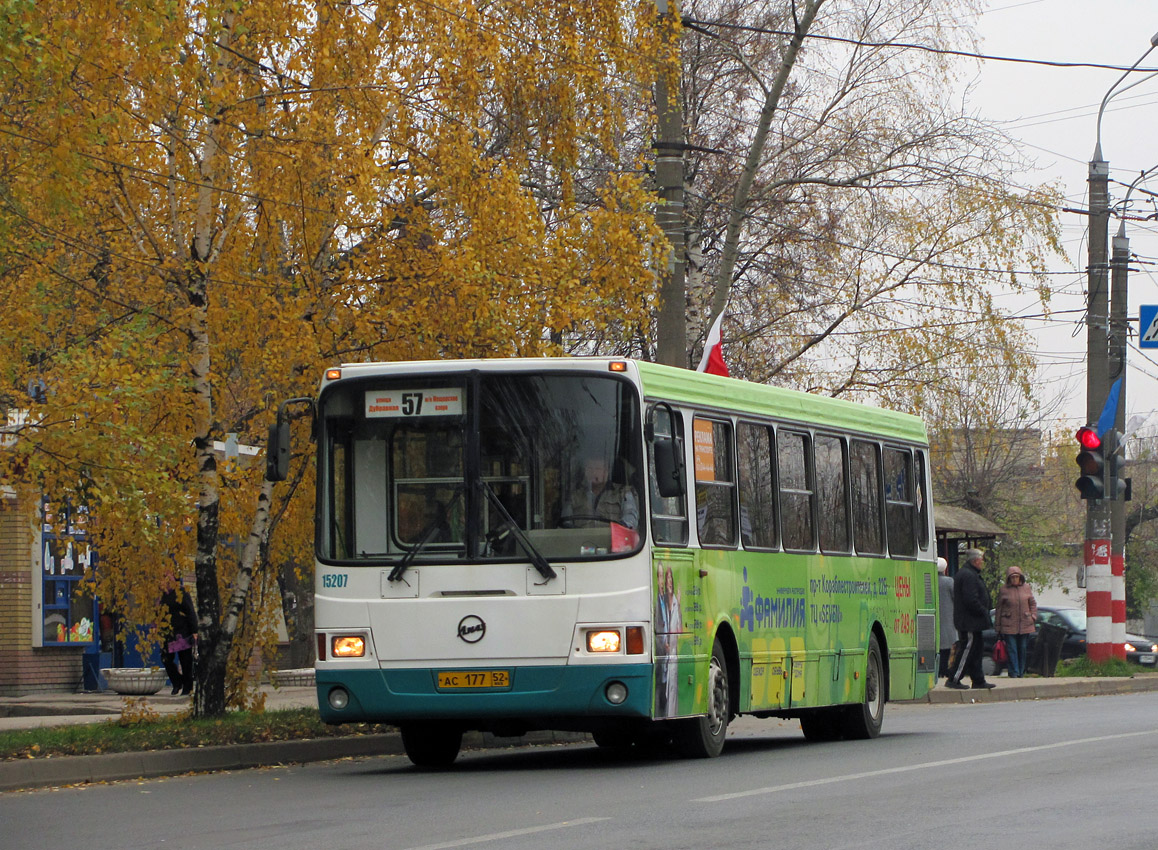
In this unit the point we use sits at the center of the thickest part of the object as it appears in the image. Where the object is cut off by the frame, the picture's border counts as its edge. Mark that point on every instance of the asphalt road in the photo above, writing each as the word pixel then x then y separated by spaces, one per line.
pixel 1069 773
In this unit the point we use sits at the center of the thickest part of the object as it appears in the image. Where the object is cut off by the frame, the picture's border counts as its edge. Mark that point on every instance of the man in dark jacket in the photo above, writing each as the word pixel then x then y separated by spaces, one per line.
pixel 971 604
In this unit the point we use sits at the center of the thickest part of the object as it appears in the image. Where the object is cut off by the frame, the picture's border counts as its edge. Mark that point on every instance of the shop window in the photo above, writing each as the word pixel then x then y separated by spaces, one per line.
pixel 68 608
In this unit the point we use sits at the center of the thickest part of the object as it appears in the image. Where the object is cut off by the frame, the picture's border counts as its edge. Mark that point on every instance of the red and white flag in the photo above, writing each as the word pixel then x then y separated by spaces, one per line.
pixel 713 360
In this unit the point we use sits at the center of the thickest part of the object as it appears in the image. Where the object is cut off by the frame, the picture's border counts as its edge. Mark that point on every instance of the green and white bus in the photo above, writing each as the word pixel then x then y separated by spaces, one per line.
pixel 611 546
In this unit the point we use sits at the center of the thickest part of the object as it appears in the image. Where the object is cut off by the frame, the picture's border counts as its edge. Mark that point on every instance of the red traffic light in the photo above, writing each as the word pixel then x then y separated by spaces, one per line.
pixel 1092 464
pixel 1089 438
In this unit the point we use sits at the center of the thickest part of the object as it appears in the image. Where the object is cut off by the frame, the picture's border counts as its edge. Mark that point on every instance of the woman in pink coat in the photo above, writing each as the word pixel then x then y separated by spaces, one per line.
pixel 1015 618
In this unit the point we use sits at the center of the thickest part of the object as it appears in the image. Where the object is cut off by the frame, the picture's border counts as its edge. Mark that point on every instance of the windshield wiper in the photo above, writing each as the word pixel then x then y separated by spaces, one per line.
pixel 537 560
pixel 428 534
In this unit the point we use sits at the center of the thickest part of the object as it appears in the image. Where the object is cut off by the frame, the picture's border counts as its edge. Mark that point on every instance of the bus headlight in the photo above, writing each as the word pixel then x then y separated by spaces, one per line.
pixel 616 693
pixel 603 640
pixel 347 646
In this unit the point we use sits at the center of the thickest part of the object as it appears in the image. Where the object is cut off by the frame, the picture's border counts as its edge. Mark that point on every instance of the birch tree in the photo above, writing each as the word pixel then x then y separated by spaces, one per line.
pixel 204 203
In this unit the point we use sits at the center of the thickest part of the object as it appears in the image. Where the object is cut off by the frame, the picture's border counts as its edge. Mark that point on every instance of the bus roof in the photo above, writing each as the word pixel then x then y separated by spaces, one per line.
pixel 731 394
pixel 670 383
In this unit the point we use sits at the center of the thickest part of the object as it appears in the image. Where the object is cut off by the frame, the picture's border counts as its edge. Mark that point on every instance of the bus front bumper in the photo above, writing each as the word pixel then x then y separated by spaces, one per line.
pixel 550 692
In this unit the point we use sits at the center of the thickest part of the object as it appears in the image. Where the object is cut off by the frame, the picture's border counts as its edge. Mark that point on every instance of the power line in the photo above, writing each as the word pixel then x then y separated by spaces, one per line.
pixel 900 45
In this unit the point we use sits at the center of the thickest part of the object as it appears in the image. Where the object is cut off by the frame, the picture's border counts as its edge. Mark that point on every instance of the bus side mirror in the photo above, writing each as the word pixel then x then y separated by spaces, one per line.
pixel 669 467
pixel 277 451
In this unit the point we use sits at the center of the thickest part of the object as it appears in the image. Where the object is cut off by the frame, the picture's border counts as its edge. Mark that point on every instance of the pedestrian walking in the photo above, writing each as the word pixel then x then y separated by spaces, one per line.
pixel 971 604
pixel 1016 618
pixel 948 634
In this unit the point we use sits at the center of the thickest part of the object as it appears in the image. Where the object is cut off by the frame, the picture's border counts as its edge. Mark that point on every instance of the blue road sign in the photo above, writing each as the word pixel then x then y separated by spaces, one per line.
pixel 1148 326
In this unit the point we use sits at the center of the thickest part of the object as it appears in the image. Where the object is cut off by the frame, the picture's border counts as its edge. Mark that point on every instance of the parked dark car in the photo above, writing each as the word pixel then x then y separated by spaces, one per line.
pixel 1139 649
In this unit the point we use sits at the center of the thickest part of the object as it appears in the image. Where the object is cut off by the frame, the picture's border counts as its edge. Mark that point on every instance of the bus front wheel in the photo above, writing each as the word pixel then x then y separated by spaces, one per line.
pixel 703 737
pixel 431 744
pixel 864 720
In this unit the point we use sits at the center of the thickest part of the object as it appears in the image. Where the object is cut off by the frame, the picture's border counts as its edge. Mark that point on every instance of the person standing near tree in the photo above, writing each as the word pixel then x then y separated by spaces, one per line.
pixel 971 604
pixel 948 630
pixel 1016 618
pixel 179 639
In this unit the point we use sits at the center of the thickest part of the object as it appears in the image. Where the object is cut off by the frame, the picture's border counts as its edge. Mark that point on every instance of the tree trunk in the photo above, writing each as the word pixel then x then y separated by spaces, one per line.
pixel 731 248
pixel 209 699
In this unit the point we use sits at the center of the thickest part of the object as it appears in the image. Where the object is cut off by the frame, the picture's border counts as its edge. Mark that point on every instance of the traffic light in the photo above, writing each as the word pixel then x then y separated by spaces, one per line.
pixel 1092 464
pixel 1116 487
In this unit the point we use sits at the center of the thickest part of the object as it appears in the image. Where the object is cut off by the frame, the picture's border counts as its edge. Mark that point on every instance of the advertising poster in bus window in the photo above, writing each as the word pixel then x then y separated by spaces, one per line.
pixel 704 449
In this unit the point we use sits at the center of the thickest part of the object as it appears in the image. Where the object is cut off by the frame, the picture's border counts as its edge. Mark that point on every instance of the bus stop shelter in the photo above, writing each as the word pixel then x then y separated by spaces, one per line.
pixel 956 526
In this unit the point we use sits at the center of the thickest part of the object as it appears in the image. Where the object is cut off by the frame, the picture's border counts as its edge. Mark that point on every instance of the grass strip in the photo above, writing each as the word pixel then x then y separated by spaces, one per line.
pixel 132 734
pixel 1084 668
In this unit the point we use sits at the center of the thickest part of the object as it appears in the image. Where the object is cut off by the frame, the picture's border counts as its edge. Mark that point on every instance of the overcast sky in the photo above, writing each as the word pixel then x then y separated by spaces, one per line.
pixel 1053 111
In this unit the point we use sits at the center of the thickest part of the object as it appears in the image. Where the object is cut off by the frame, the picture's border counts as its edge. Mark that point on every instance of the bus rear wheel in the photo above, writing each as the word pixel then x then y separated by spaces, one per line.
pixel 703 737
pixel 864 720
pixel 431 744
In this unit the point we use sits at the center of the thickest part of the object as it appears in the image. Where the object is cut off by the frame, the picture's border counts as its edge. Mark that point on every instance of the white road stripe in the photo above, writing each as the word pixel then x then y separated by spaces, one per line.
pixel 498 836
pixel 773 789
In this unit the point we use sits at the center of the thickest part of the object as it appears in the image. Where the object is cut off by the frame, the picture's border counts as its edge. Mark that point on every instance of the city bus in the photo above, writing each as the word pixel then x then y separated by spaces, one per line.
pixel 610 546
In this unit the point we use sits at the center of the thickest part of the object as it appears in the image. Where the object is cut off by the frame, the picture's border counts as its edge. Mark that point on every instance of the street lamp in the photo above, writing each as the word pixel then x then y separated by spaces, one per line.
pixel 1105 520
pixel 1111 93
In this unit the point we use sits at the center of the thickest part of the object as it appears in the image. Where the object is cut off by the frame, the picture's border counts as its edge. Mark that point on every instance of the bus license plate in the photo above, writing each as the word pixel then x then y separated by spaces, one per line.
pixel 474 679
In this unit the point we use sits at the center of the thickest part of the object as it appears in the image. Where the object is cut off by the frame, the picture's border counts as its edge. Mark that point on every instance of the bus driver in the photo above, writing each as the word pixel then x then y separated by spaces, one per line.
pixel 600 499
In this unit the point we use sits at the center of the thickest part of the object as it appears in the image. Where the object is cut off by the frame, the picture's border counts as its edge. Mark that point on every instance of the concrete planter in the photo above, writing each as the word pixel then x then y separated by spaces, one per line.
pixel 135 681
pixel 300 678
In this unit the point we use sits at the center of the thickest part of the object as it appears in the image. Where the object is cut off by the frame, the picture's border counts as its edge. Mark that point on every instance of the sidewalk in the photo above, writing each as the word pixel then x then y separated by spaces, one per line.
pixel 1036 688
pixel 40 710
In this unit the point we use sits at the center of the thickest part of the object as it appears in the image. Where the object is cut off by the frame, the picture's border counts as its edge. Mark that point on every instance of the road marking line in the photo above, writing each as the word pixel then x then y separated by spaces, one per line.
pixel 498 836
pixel 773 789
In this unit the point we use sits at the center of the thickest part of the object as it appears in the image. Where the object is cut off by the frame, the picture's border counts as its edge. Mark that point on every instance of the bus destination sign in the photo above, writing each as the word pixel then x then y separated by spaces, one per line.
pixel 414 403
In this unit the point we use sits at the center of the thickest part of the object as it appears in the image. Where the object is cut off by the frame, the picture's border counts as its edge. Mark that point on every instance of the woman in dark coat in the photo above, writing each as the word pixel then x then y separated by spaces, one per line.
pixel 179 639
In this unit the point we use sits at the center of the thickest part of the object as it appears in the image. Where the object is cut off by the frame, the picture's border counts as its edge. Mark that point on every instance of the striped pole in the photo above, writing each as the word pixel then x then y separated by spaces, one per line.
pixel 1099 600
pixel 1118 604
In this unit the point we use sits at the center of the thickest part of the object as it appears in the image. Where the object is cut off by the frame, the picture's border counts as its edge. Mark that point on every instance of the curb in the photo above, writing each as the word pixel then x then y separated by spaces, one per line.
pixel 18 774
pixel 1034 689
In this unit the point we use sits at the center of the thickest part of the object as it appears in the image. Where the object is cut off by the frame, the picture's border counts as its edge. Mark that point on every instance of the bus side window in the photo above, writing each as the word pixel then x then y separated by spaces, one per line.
pixel 900 507
pixel 669 516
pixel 923 502
pixel 715 483
pixel 757 498
pixel 832 494
pixel 793 453
pixel 866 498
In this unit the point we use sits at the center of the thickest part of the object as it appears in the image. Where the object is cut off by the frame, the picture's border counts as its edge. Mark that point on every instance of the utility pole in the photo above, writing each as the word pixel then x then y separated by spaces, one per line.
pixel 1105 574
pixel 1099 592
pixel 671 324
pixel 1119 274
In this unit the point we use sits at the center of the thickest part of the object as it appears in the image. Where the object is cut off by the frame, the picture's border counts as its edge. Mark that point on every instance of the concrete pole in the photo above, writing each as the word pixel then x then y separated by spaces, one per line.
pixel 1099 595
pixel 671 323
pixel 1119 273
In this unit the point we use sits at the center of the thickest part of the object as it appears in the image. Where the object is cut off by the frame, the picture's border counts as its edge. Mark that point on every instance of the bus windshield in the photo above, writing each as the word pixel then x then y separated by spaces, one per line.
pixel 479 467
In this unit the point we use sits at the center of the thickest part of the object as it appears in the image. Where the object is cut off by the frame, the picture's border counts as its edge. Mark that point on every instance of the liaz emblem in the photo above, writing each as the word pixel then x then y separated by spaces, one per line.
pixel 471 628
